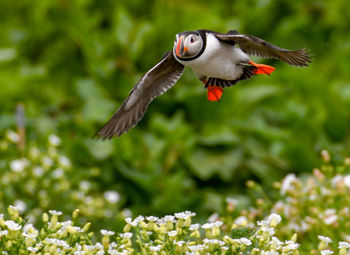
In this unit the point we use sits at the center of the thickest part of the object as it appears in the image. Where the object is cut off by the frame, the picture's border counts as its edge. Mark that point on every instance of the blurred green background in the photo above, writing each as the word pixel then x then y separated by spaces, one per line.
pixel 72 63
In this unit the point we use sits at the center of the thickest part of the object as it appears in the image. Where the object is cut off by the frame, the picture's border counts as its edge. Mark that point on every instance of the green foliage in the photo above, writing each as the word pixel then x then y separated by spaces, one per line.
pixel 73 62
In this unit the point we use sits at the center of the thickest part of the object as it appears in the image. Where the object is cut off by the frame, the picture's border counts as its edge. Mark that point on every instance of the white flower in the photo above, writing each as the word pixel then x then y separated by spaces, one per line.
pixel 274 219
pixel 48 162
pixel 287 183
pixel 326 252
pixel 152 218
pixel 111 196
pixel 12 136
pixel 57 242
pixel 213 217
pixel 20 206
pixel 230 200
pixel 106 232
pixel 127 235
pixel 245 241
pixel 18 165
pixel 38 171
pixel 64 161
pixel 241 221
pixel 184 215
pixel 194 227
pixel 179 243
pixel 336 179
pixel 3 233
pixel 345 245
pixel 275 243
pixel 172 233
pixel 207 225
pixel 324 239
pixel 155 248
pixel 213 241
pixel 57 173
pixel 12 225
pixel 170 218
pixel 54 140
pixel 85 185
pixel 32 249
pixel 135 222
pixel 347 181
pixel 291 245
pixel 54 212
pixel 196 248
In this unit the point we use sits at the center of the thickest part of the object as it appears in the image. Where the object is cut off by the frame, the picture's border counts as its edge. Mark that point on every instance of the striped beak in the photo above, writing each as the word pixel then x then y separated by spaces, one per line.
pixel 180 50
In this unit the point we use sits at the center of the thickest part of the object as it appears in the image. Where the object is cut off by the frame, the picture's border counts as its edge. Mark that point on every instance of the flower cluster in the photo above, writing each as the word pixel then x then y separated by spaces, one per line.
pixel 38 179
pixel 171 234
pixel 311 206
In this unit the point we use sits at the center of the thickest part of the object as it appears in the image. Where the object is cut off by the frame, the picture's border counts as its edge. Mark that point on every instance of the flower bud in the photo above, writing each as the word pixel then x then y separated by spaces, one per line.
pixel 45 217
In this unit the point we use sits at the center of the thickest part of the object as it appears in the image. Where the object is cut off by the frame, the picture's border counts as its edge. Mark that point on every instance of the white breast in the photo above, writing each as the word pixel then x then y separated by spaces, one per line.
pixel 219 60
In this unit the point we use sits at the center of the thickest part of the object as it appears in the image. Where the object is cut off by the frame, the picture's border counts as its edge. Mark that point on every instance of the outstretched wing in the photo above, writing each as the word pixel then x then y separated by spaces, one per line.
pixel 256 46
pixel 154 83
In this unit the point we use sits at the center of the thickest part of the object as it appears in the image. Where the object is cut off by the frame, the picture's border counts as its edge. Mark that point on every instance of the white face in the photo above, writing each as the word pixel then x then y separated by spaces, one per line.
pixel 187 46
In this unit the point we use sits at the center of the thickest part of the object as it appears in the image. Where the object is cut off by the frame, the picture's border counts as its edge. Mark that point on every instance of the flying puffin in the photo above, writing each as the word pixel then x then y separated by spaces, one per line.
pixel 218 60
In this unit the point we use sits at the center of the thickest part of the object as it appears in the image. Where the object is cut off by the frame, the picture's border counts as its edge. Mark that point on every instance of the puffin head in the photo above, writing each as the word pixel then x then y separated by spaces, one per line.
pixel 187 45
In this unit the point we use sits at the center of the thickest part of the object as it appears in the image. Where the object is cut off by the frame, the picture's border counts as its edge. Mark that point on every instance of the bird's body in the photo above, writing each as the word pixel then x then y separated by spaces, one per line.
pixel 218 60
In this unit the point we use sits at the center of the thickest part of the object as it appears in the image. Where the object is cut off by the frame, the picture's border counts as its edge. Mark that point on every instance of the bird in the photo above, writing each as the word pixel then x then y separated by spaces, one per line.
pixel 219 60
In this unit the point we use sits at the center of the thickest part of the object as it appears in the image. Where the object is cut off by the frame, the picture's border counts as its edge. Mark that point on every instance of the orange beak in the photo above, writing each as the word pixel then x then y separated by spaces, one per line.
pixel 179 51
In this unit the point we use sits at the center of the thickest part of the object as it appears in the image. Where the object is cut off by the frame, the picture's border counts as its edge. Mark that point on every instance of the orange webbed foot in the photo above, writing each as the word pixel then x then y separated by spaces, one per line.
pixel 261 68
pixel 214 93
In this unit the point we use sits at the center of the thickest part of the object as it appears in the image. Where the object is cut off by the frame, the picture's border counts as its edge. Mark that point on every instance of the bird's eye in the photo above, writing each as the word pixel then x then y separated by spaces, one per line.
pixel 192 39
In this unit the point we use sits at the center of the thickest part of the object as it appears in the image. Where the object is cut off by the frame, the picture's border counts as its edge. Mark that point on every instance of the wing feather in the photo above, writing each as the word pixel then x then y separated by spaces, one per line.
pixel 253 45
pixel 154 83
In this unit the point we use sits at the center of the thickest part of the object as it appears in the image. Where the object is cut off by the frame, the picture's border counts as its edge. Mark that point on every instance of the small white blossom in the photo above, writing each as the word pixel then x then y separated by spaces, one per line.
pixel 194 227
pixel 230 200
pixel 345 245
pixel 155 248
pixel 213 217
pixel 20 206
pixel 18 165
pixel 213 241
pixel 47 161
pixel 57 173
pixel 127 235
pixel 245 241
pixel 324 239
pixel 207 225
pixel 54 212
pixel 274 219
pixel 347 181
pixel 241 221
pixel 106 232
pixel 172 233
pixel 3 233
pixel 85 185
pixel 12 225
pixel 111 196
pixel 64 161
pixel 12 136
pixel 184 215
pixel 57 242
pixel 38 171
pixel 152 218
pixel 287 183
pixel 54 140
pixel 179 243
pixel 326 252
pixel 291 245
